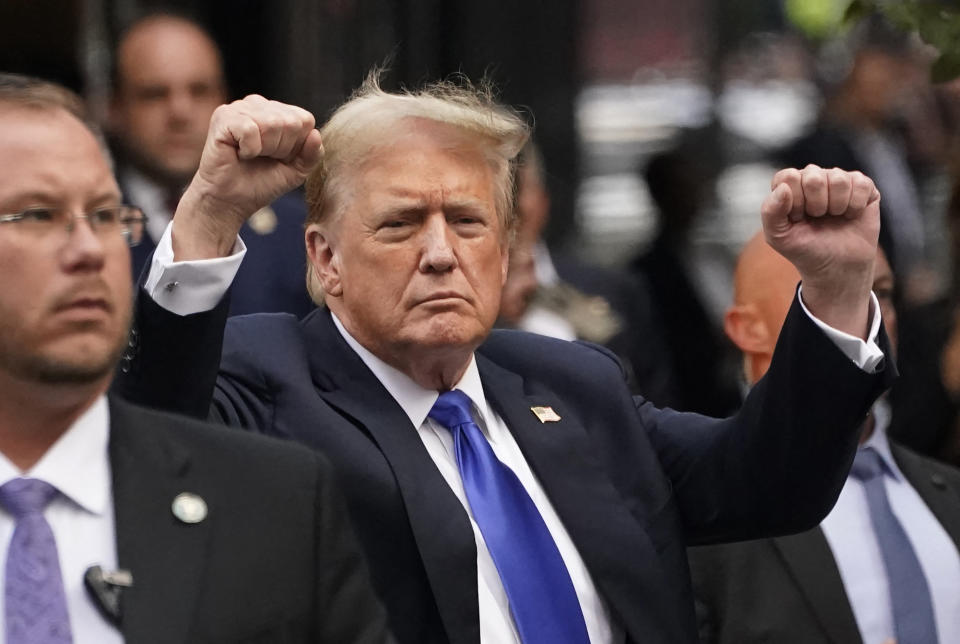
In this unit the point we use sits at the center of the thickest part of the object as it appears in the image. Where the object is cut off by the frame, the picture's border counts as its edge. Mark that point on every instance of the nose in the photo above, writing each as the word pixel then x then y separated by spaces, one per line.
pixel 438 245
pixel 180 105
pixel 83 249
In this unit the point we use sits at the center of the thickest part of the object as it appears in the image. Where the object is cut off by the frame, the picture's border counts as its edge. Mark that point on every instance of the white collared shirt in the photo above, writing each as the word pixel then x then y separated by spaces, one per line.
pixel 149 196
pixel 496 623
pixel 81 516
pixel 850 535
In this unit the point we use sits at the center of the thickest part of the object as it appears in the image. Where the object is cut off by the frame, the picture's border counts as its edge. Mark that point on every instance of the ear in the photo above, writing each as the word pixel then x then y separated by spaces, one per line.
pixel 324 259
pixel 744 325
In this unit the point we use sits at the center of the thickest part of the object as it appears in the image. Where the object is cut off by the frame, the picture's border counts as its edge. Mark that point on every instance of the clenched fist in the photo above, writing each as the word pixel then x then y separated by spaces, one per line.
pixel 827 222
pixel 256 150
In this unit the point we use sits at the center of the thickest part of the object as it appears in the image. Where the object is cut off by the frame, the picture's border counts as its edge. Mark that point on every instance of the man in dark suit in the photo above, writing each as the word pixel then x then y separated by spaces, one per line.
pixel 830 584
pixel 561 297
pixel 506 487
pixel 168 79
pixel 176 528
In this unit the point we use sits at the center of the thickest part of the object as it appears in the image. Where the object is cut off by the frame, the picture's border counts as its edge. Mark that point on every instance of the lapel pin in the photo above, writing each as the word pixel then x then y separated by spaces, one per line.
pixel 545 414
pixel 189 508
pixel 264 221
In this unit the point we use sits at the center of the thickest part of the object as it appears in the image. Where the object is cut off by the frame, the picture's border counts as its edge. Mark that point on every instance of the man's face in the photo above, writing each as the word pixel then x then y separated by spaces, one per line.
pixel 169 83
pixel 417 258
pixel 65 297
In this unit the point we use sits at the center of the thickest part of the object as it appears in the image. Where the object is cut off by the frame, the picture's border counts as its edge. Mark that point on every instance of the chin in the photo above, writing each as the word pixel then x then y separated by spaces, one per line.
pixel 453 333
pixel 83 363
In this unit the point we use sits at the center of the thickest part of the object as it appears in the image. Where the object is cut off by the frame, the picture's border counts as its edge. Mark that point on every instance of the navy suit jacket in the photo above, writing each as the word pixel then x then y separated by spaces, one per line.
pixel 788 589
pixel 254 570
pixel 272 277
pixel 633 485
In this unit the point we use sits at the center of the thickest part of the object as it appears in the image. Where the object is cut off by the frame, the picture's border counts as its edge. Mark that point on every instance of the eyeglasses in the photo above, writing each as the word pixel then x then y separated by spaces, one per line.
pixel 128 221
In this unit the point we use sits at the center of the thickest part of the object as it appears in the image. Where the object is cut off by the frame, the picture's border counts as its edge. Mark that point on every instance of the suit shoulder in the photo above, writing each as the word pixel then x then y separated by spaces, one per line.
pixel 260 342
pixel 212 445
pixel 526 353
pixel 909 459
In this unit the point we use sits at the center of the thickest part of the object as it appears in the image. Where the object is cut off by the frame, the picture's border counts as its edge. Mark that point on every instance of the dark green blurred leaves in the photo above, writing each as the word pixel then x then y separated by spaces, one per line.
pixel 937 22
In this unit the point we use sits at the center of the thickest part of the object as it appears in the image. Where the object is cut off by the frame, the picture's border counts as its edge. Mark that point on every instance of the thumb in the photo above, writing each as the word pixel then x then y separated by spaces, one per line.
pixel 775 210
pixel 309 154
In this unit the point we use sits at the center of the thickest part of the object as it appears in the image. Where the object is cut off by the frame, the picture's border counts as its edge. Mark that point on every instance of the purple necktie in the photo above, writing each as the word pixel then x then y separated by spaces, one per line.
pixel 912 606
pixel 34 599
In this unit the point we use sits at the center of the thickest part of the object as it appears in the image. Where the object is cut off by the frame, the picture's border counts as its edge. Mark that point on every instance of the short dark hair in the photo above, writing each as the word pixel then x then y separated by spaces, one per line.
pixel 36 93
pixel 175 14
pixel 32 93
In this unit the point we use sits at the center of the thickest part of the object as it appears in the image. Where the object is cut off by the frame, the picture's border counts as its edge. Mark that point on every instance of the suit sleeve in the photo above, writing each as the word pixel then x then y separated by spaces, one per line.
pixel 347 607
pixel 778 465
pixel 171 361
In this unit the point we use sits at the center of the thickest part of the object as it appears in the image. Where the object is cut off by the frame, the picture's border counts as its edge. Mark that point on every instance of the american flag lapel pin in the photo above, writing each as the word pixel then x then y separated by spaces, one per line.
pixel 545 414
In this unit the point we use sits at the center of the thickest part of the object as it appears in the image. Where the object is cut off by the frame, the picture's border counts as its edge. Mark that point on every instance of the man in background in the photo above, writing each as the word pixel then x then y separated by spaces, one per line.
pixel 175 526
pixel 168 80
pixel 864 575
pixel 558 296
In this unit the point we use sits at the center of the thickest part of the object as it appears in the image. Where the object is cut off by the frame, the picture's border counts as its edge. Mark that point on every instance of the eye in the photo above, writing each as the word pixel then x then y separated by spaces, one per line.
pixel 39 215
pixel 105 216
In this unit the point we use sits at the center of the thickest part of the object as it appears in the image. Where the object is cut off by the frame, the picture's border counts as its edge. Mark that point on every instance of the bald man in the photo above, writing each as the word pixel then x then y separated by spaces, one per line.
pixel 168 80
pixel 831 584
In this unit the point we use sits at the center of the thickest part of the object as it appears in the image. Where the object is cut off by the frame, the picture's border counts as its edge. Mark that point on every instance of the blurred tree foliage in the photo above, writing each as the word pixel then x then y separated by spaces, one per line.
pixel 936 21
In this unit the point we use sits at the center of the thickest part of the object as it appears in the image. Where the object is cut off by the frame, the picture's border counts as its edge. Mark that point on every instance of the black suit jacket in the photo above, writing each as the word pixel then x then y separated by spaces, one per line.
pixel 275 560
pixel 632 484
pixel 788 589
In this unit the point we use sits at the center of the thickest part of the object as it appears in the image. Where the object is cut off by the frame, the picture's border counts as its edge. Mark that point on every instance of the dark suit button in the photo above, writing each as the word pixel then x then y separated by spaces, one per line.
pixel 938 481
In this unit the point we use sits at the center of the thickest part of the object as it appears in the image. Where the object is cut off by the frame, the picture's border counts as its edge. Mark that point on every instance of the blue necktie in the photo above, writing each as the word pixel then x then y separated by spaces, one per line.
pixel 34 599
pixel 913 619
pixel 542 598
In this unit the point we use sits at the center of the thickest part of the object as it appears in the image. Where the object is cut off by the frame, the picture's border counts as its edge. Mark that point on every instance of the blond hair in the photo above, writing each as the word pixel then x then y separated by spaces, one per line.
pixel 367 120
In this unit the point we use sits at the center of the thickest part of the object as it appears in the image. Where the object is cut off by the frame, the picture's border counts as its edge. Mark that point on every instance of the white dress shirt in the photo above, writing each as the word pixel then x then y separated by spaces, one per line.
pixel 538 319
pixel 854 544
pixel 496 623
pixel 170 283
pixel 81 516
pixel 149 196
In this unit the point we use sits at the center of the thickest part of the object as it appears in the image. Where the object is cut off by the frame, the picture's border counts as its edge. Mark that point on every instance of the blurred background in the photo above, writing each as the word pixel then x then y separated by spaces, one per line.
pixel 608 83
pixel 660 123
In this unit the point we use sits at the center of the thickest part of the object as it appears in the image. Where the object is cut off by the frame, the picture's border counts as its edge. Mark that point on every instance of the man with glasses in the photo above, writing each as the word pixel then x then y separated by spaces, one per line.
pixel 118 523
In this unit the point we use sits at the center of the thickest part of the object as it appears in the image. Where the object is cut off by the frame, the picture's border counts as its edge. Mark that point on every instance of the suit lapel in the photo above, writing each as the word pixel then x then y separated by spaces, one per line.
pixel 439 522
pixel 942 499
pixel 810 561
pixel 165 556
pixel 608 538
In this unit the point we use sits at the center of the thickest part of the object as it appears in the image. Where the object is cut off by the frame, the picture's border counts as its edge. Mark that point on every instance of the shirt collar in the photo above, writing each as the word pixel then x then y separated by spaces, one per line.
pixel 878 438
pixel 78 463
pixel 149 196
pixel 543 266
pixel 416 401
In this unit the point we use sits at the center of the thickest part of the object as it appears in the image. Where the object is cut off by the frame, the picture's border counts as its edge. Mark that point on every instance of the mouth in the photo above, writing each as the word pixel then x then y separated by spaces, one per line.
pixel 85 306
pixel 443 297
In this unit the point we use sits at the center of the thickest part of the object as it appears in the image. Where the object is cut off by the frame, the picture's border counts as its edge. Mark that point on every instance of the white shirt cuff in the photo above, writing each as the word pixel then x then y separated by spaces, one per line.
pixel 866 355
pixel 192 286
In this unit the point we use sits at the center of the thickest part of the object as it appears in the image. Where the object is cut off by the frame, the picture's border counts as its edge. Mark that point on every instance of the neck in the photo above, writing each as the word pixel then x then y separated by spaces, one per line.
pixel 440 374
pixel 432 367
pixel 33 416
